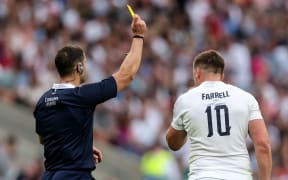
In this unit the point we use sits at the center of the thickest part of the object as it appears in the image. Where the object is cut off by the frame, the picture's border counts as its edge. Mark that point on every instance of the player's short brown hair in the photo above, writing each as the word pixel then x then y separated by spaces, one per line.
pixel 210 60
pixel 66 59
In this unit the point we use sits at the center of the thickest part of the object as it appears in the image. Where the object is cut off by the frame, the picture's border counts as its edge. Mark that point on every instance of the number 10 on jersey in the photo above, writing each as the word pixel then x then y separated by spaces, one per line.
pixel 219 109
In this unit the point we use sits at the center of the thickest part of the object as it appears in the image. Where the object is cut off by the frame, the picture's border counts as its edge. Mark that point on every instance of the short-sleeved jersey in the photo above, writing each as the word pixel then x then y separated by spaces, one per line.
pixel 215 116
pixel 64 120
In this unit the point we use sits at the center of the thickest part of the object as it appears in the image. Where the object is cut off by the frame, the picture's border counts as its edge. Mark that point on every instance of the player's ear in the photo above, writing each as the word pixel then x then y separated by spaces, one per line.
pixel 197 73
pixel 79 68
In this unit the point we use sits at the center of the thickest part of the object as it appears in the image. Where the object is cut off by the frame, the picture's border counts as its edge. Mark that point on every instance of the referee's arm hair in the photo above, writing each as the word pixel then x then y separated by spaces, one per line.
pixel 132 61
pixel 259 136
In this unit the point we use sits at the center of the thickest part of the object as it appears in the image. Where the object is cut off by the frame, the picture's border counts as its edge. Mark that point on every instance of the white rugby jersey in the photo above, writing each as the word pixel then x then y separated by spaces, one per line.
pixel 215 116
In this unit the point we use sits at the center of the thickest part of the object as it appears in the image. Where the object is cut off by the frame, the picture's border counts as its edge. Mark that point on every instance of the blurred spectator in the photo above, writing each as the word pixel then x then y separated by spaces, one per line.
pixel 281 169
pixel 149 119
pixel 159 164
pixel 5 163
pixel 8 168
pixel 32 171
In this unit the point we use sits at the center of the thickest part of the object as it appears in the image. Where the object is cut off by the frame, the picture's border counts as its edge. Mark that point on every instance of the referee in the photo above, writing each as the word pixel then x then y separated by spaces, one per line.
pixel 64 114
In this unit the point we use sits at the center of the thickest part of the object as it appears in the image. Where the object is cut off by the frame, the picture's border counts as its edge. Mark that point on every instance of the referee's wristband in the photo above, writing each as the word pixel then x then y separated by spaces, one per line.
pixel 138 36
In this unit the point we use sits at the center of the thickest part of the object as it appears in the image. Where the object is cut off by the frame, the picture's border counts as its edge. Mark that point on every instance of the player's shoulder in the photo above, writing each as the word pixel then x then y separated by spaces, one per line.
pixel 44 95
pixel 42 98
pixel 186 97
pixel 41 101
pixel 240 92
pixel 190 92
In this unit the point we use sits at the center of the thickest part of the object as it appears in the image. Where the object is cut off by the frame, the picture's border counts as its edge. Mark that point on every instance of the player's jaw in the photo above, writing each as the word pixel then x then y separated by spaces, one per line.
pixel 83 77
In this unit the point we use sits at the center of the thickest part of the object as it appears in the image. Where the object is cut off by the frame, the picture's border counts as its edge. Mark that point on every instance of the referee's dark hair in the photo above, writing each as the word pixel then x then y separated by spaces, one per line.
pixel 210 60
pixel 67 58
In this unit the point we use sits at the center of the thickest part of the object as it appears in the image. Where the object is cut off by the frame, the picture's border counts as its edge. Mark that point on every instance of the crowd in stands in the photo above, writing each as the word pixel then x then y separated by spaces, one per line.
pixel 252 35
pixel 10 168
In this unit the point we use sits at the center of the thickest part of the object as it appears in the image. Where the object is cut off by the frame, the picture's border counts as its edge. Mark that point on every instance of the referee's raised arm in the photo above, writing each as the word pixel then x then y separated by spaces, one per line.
pixel 132 61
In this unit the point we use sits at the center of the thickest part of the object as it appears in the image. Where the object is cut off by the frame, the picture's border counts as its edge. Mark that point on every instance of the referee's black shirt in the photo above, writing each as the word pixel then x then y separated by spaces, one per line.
pixel 64 119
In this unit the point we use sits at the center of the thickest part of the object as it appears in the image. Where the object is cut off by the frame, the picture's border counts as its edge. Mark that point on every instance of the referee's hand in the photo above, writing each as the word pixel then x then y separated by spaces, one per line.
pixel 97 155
pixel 138 26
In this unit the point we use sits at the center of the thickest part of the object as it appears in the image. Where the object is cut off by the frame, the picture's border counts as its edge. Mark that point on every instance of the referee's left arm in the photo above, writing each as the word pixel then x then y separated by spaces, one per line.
pixel 132 61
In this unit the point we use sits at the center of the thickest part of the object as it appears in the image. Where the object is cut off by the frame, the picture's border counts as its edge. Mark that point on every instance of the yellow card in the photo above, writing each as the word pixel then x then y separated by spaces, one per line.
pixel 130 11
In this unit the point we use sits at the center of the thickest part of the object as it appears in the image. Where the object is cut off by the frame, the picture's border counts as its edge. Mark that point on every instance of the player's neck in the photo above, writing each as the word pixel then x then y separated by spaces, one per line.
pixel 72 79
pixel 209 77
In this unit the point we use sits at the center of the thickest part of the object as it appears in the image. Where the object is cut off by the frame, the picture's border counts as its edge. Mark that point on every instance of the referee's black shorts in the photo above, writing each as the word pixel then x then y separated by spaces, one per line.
pixel 67 174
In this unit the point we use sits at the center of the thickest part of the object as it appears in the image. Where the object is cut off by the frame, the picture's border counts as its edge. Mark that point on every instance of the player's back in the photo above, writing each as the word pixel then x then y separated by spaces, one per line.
pixel 216 116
